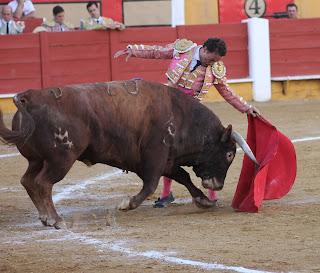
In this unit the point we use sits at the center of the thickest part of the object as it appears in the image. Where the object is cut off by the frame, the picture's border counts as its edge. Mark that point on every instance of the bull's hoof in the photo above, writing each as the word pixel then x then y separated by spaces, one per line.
pixel 124 205
pixel 60 225
pixel 47 221
pixel 43 218
pixel 204 203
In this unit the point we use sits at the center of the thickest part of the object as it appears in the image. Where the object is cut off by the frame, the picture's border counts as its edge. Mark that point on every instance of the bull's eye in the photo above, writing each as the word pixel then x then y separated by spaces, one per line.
pixel 230 156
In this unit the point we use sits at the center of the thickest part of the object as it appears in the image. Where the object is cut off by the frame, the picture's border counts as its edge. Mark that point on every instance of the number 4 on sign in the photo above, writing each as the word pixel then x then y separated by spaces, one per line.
pixel 255 8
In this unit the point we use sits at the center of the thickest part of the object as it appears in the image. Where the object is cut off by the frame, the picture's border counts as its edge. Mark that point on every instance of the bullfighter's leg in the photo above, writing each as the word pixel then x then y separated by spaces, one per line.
pixel 182 177
pixel 27 181
pixel 51 173
pixel 166 189
pixel 166 196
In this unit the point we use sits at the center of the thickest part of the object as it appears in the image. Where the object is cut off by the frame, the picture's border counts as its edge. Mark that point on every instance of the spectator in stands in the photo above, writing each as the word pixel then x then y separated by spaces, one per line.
pixel 58 24
pixel 7 24
pixel 292 11
pixel 98 22
pixel 22 9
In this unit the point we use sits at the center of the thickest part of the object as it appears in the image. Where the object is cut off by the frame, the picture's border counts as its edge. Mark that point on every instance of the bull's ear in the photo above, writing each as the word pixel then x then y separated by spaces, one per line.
pixel 226 135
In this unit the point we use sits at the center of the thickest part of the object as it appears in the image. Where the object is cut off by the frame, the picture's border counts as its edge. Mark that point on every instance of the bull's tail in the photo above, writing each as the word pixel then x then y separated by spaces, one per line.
pixel 20 135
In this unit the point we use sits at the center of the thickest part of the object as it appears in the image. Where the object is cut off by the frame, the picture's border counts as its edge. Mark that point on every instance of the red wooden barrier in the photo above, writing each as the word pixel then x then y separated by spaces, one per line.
pixel 20 66
pixel 76 57
pixel 295 47
pixel 51 59
pixel 236 38
pixel 31 24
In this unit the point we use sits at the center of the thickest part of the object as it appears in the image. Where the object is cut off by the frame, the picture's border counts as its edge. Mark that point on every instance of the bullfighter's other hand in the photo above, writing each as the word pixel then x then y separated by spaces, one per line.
pixel 126 51
pixel 253 111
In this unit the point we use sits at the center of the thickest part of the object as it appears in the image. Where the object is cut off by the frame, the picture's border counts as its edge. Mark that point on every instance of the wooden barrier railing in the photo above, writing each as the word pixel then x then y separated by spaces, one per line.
pixel 52 59
pixel 295 47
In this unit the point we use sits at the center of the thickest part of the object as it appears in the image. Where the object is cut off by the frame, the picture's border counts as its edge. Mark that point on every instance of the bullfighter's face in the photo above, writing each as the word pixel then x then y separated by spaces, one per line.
pixel 216 160
pixel 208 58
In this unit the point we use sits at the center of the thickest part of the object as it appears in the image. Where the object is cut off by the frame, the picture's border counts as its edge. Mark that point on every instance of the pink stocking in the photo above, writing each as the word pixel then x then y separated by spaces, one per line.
pixel 166 187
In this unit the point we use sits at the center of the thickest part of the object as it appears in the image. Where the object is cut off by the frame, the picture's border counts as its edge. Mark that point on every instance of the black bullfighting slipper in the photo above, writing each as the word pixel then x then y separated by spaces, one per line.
pixel 163 202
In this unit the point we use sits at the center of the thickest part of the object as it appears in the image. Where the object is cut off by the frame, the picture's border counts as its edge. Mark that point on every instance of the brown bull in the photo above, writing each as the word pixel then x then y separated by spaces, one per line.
pixel 139 126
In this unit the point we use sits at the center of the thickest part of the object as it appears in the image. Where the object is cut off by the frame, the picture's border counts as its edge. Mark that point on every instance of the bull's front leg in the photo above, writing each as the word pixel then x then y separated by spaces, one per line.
pixel 150 172
pixel 149 187
pixel 181 176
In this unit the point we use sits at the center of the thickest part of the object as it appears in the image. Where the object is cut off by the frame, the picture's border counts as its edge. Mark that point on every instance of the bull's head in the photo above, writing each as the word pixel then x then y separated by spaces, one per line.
pixel 217 158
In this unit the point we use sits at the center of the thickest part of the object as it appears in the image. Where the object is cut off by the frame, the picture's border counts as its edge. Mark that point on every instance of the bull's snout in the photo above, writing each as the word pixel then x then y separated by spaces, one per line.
pixel 213 184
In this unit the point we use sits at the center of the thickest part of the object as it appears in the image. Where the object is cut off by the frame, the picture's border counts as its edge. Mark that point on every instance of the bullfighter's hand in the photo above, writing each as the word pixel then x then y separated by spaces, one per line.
pixel 127 52
pixel 253 111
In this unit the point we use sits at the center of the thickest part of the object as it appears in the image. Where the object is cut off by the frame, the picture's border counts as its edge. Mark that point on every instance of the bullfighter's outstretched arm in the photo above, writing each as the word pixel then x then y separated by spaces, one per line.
pixel 147 51
pixel 234 99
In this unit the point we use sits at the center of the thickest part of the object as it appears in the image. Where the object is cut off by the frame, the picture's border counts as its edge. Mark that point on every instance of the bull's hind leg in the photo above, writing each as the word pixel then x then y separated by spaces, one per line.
pixel 51 173
pixel 27 181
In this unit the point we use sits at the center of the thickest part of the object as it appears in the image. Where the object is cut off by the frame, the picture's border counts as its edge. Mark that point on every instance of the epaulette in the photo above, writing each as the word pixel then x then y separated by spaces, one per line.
pixel 219 70
pixel 183 45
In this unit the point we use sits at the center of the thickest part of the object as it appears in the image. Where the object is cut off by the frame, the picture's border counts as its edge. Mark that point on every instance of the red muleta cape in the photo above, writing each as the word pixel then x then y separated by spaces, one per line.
pixel 276 173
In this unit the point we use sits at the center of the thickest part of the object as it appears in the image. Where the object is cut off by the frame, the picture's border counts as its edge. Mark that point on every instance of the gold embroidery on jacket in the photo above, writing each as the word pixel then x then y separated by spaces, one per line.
pixel 183 45
pixel 219 70
pixel 175 74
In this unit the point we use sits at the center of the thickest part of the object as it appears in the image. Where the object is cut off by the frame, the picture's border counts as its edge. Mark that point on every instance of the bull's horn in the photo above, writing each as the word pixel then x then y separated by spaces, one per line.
pixel 244 145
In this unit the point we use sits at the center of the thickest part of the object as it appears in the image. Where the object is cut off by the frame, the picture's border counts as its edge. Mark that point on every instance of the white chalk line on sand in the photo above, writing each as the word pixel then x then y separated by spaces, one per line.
pixel 118 247
pixel 155 255
pixel 83 184
pixel 9 155
pixel 297 140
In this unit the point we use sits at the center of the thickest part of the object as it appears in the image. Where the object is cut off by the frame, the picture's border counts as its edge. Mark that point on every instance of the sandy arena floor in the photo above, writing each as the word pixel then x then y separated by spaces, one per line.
pixel 283 237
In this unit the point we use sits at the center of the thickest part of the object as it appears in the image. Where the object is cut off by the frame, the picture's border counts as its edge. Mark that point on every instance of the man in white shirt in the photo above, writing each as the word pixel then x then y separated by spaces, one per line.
pixel 98 22
pixel 22 9
pixel 58 24
pixel 7 24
